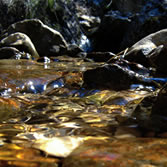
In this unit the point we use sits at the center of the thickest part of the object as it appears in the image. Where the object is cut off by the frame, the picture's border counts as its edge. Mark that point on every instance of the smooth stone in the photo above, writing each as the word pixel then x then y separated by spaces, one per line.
pixel 144 50
pixel 117 76
pixel 43 37
pixel 107 76
pixel 22 41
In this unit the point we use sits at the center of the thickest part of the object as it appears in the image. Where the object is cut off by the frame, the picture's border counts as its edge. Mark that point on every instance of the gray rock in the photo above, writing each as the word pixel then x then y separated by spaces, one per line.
pixel 43 37
pixel 148 51
pixel 111 76
pixel 151 41
pixel 22 41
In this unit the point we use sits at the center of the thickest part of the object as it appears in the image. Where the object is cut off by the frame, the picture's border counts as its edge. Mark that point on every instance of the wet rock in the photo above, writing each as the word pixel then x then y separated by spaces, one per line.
pixel 151 112
pixel 158 59
pixel 63 16
pixel 20 41
pixel 125 22
pixel 109 25
pixel 44 60
pixel 108 76
pixel 9 52
pixel 139 152
pixel 44 38
pixel 8 108
pixel 112 76
pixel 150 51
pixel 117 76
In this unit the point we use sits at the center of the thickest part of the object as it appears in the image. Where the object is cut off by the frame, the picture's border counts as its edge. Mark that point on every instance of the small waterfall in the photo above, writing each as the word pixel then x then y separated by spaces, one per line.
pixel 85 43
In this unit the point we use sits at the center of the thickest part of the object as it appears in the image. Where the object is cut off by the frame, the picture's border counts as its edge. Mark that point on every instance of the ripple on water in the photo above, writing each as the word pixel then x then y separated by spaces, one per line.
pixel 51 104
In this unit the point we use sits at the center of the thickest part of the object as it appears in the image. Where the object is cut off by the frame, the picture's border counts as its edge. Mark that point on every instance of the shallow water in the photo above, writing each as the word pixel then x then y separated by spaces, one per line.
pixel 45 112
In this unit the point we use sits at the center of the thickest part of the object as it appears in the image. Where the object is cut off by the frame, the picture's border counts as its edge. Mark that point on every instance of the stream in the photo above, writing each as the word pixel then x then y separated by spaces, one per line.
pixel 83 83
pixel 45 113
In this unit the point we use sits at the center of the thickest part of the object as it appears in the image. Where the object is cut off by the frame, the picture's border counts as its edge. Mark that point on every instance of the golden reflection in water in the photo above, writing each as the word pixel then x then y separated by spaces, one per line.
pixel 68 119
pixel 13 154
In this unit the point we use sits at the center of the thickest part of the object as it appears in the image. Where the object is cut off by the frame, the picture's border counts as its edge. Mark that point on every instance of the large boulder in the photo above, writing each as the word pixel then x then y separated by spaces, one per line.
pixel 20 40
pixel 46 40
pixel 117 76
pixel 151 51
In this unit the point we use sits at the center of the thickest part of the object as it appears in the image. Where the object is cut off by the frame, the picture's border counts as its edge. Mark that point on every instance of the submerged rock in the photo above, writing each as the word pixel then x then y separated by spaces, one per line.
pixel 143 111
pixel 160 105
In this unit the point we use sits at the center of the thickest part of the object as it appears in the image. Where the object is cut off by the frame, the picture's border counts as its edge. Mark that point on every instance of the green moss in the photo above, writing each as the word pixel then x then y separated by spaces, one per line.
pixel 50 4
